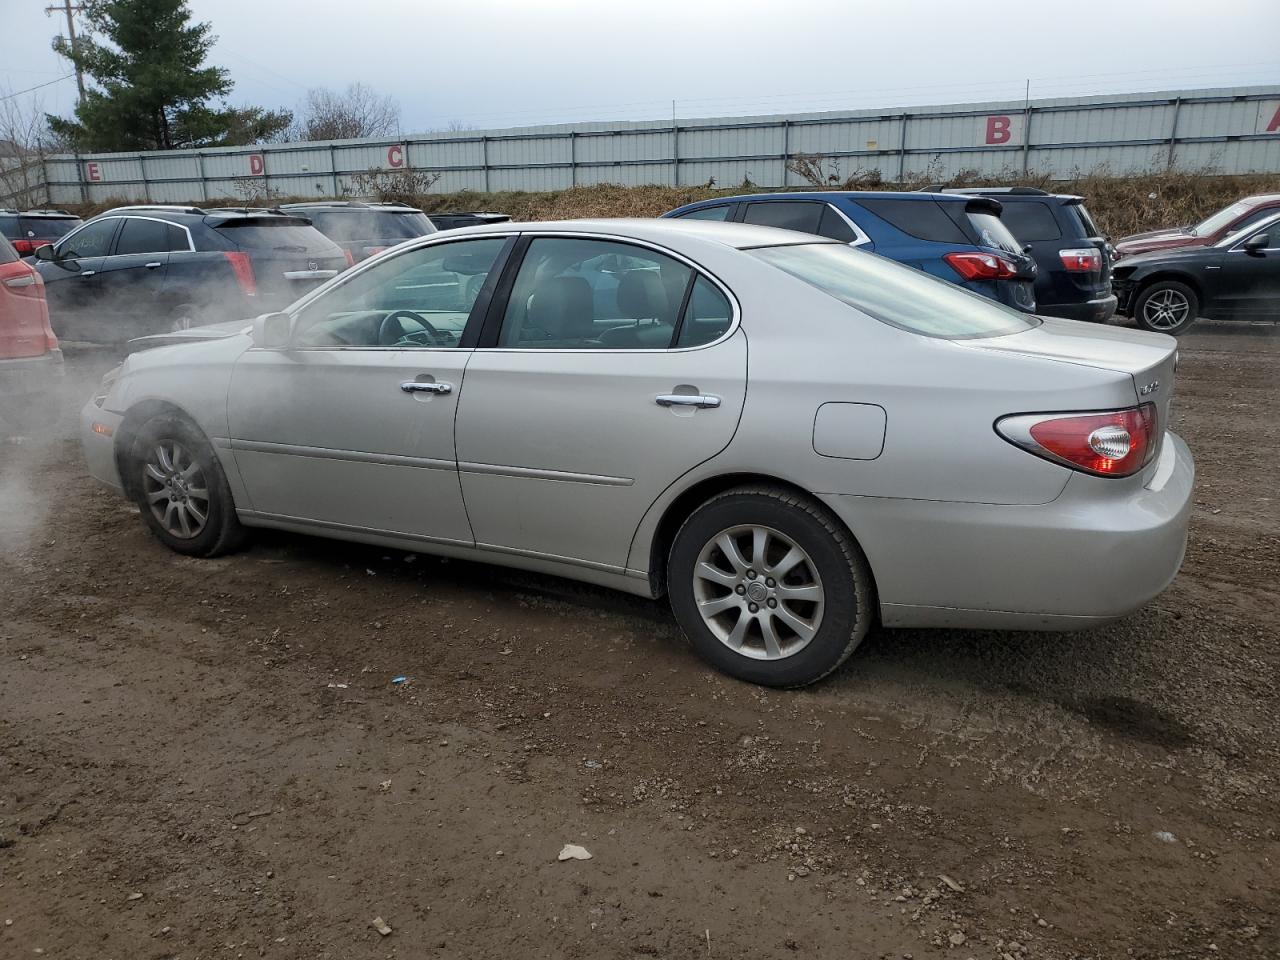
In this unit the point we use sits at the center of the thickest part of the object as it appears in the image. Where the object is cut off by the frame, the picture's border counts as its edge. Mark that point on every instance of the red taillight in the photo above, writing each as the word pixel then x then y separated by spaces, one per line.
pixel 1084 260
pixel 351 260
pixel 243 269
pixel 26 248
pixel 981 266
pixel 25 283
pixel 1117 443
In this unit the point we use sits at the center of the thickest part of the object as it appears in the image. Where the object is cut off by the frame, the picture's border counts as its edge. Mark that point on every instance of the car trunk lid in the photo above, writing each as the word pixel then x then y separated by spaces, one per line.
pixel 289 255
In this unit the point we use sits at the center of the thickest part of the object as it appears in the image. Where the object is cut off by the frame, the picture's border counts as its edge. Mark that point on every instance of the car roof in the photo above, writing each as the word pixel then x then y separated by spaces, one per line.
pixel 740 236
pixel 1259 199
pixel 1007 194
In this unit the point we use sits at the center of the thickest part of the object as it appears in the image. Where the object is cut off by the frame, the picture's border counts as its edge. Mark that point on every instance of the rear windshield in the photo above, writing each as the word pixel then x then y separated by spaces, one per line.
pixel 9 227
pixel 7 253
pixel 349 226
pixel 275 235
pixel 1086 221
pixel 992 232
pixel 898 295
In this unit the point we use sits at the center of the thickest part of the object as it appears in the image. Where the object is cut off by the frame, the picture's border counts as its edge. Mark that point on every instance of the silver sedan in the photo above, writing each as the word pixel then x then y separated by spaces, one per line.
pixel 793 440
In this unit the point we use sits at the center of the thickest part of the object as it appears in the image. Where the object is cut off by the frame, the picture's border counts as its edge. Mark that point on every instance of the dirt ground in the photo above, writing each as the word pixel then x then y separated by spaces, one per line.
pixel 205 759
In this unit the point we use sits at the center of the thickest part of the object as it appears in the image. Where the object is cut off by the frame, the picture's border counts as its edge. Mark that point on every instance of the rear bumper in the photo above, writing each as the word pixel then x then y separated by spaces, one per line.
pixel 1096 553
pixel 97 438
pixel 1090 311
pixel 30 376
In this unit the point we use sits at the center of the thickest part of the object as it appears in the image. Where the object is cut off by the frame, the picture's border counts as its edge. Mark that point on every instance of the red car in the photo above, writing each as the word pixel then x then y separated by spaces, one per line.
pixel 30 360
pixel 1209 231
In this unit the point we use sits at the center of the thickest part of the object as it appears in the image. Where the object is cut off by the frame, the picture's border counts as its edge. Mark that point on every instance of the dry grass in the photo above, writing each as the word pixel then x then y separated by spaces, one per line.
pixel 1121 205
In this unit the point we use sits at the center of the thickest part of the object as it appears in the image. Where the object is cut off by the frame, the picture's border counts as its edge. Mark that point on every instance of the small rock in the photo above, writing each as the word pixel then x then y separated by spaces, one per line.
pixel 1041 922
pixel 134 896
pixel 950 883
pixel 1164 836
pixel 956 938
pixel 381 926
pixel 572 851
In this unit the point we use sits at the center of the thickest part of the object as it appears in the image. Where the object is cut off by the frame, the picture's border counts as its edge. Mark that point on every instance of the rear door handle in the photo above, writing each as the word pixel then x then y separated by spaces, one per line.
pixel 702 400
pixel 418 386
pixel 87 273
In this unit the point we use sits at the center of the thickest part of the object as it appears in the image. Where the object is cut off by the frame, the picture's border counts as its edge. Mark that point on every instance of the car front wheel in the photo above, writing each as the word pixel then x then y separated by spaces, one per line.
pixel 180 488
pixel 769 587
pixel 1166 306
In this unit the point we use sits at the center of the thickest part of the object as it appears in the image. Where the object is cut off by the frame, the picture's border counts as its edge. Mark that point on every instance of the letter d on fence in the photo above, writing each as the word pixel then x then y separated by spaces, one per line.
pixel 257 165
pixel 998 129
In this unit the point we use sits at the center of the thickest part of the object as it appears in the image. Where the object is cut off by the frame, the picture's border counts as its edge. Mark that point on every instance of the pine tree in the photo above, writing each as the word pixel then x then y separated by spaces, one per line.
pixel 154 91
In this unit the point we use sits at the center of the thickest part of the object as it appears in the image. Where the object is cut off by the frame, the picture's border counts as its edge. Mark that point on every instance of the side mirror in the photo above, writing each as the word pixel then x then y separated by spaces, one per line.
pixel 45 252
pixel 271 331
pixel 1257 243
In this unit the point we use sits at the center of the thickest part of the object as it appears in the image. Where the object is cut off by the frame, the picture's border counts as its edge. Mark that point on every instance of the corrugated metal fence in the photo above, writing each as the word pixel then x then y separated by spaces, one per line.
pixel 1233 130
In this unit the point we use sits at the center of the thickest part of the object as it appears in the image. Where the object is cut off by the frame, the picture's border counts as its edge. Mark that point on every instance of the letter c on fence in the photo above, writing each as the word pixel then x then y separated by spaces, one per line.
pixel 998 129
pixel 257 165
pixel 93 171
pixel 395 156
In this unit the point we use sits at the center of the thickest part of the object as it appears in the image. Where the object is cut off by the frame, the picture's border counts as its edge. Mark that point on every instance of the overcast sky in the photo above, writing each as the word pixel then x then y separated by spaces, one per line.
pixel 495 63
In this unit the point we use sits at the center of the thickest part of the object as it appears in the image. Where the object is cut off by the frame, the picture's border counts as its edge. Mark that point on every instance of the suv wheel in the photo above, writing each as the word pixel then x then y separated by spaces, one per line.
pixel 179 486
pixel 769 587
pixel 1166 306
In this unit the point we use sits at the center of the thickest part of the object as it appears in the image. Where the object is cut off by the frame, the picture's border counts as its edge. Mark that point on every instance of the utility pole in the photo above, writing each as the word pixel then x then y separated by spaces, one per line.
pixel 70 11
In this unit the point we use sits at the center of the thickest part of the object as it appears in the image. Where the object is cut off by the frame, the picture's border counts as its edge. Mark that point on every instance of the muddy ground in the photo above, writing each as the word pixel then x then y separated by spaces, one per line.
pixel 209 758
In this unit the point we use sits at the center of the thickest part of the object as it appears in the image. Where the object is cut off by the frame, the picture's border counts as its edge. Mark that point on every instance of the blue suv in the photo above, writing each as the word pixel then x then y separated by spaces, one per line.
pixel 956 238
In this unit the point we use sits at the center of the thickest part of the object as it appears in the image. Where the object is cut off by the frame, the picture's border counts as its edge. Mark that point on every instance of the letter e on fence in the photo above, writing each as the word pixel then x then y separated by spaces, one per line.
pixel 998 129
pixel 257 165
pixel 92 171
pixel 395 156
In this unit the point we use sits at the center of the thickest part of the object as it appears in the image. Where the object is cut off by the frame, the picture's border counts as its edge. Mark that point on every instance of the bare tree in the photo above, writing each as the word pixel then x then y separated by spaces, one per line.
pixel 24 141
pixel 358 111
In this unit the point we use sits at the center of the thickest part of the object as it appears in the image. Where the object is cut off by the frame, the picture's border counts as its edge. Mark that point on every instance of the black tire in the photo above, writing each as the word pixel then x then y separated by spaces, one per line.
pixel 838 566
pixel 221 531
pixel 1150 301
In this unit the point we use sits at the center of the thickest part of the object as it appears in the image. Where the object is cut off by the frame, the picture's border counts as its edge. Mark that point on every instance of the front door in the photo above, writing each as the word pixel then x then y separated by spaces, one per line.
pixel 351 427
pixel 612 372
pixel 71 281
pixel 1249 281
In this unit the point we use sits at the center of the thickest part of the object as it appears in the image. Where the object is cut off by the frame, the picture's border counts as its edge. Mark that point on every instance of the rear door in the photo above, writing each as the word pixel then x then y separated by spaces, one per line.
pixel 574 418
pixel 352 427
pixel 132 277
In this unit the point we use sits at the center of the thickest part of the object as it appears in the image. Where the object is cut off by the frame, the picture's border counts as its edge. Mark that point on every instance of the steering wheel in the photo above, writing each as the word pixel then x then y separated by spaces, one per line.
pixel 386 330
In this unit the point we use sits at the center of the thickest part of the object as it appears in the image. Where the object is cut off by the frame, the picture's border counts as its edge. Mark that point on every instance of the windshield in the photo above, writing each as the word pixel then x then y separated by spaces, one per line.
pixel 1220 219
pixel 993 233
pixel 898 295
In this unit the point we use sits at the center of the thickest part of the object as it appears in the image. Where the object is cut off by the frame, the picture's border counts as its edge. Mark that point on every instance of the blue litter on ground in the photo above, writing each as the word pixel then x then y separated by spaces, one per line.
pixel 399 679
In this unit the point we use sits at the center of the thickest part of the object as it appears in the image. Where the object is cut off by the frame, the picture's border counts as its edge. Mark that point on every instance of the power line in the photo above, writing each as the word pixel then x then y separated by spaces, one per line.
pixel 18 93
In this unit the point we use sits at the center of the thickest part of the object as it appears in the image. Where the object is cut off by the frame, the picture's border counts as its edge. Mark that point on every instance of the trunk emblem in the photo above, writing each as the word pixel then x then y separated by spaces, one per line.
pixel 312 265
pixel 1151 387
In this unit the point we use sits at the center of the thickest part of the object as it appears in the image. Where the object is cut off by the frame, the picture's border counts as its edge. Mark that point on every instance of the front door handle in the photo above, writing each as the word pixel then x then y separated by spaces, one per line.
pixel 152 265
pixel 419 386
pixel 87 273
pixel 702 400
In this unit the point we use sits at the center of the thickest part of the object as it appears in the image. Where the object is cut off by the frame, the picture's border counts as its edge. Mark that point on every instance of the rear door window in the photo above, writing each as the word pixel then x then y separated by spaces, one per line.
pixel 707 317
pixel 1031 221
pixel 922 219
pixel 709 213
pixel 143 235
pixel 801 215
pixel 835 226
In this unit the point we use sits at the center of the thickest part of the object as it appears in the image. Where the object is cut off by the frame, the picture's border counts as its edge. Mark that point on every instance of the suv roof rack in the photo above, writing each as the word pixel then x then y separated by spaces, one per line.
pixel 172 207
pixel 1007 191
pixel 358 204
pixel 47 211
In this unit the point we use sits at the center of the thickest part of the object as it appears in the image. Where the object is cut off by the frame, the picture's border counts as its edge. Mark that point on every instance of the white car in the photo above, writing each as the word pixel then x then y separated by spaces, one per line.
pixel 792 439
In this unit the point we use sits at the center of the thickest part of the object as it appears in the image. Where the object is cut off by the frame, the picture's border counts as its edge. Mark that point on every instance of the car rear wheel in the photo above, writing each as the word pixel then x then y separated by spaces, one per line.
pixel 179 486
pixel 1166 306
pixel 769 587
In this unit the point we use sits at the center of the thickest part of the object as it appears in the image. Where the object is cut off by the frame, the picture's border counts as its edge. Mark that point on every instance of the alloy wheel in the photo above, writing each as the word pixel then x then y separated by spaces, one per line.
pixel 758 592
pixel 173 483
pixel 1165 309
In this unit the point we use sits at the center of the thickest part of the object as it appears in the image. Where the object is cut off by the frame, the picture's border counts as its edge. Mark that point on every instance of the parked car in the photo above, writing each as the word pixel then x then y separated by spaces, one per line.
pixel 955 238
pixel 30 359
pixel 889 448
pixel 147 269
pixel 29 229
pixel 363 229
pixel 1238 278
pixel 1207 232
pixel 452 221
pixel 1073 279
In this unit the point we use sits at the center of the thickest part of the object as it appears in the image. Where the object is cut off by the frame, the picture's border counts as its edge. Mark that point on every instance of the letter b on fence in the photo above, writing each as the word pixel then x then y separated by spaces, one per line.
pixel 998 129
